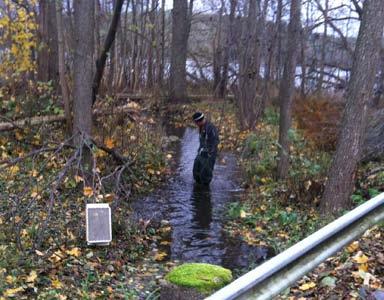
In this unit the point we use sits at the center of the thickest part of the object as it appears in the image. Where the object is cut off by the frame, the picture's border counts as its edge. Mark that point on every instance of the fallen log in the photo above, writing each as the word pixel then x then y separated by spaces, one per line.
pixel 33 121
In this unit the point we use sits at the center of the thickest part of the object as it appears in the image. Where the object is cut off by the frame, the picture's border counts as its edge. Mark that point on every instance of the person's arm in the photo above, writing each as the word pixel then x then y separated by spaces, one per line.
pixel 212 139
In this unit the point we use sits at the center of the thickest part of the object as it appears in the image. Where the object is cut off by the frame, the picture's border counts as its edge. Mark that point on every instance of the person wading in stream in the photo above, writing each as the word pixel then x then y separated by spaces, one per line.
pixel 207 152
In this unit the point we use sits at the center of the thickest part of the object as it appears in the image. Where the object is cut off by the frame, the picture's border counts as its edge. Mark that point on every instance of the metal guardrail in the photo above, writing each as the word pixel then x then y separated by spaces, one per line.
pixel 283 270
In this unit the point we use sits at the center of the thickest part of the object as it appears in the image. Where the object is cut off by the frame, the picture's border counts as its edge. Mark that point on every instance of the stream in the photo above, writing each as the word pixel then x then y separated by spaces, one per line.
pixel 197 213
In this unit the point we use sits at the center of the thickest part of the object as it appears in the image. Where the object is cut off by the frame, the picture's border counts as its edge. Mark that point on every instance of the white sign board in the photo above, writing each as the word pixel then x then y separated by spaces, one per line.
pixel 98 222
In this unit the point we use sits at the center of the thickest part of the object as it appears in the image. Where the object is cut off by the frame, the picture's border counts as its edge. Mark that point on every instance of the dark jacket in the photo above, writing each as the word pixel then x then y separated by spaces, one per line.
pixel 209 138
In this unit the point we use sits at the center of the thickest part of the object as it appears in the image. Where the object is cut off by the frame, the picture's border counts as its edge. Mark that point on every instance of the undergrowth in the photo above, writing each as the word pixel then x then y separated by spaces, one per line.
pixel 277 213
pixel 42 232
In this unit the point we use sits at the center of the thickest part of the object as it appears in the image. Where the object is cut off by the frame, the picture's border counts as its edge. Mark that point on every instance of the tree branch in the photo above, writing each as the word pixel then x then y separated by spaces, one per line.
pixel 100 63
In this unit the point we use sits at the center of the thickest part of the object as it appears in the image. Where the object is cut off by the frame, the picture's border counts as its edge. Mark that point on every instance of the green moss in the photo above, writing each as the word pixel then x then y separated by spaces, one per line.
pixel 205 278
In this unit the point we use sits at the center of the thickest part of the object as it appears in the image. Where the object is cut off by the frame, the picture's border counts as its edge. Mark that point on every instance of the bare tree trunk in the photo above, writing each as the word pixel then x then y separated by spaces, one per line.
pixel 229 46
pixel 217 54
pixel 142 43
pixel 323 49
pixel 83 65
pixel 271 59
pixel 152 46
pixel 245 91
pixel 134 45
pixel 303 56
pixel 303 63
pixel 287 88
pixel 97 28
pixel 112 67
pixel 123 77
pixel 47 61
pixel 180 31
pixel 100 63
pixel 160 77
pixel 63 80
pixel 70 19
pixel 380 82
pixel 261 46
pixel 342 172
pixel 279 25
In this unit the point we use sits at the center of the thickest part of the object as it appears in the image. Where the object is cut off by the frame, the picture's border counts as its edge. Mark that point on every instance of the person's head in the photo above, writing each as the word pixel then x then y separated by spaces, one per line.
pixel 198 118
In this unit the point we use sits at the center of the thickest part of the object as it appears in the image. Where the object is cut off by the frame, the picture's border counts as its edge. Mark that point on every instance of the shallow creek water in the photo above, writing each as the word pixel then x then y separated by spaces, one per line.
pixel 197 213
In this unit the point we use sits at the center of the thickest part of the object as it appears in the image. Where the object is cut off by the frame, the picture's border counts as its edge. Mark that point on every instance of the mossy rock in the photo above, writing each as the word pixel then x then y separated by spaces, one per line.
pixel 205 278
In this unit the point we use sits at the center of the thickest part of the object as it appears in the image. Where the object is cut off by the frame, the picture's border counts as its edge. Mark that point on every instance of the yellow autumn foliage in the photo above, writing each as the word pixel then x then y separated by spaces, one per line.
pixel 88 191
pixel 18 39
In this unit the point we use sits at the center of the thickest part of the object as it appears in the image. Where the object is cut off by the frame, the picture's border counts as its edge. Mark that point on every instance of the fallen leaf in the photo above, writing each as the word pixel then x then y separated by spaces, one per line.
pixel 353 247
pixel 14 170
pixel 307 184
pixel 88 191
pixel 166 229
pixel 10 279
pixel 76 252
pixel 259 229
pixel 360 258
pixel 89 254
pixel 70 235
pixel 56 256
pixel 359 275
pixel 18 136
pixel 133 105
pixel 31 277
pixel 307 286
pixel 283 235
pixel 160 256
pixel 12 292
pixel 363 267
pixel 109 197
pixel 56 283
pixel 78 178
pixel 368 278
pixel 109 143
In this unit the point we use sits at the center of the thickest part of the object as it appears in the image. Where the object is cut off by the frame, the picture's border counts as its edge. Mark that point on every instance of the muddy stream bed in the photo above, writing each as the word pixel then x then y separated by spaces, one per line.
pixel 196 213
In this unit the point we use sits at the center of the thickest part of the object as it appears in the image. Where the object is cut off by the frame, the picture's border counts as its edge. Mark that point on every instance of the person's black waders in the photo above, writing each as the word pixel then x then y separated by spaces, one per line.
pixel 203 168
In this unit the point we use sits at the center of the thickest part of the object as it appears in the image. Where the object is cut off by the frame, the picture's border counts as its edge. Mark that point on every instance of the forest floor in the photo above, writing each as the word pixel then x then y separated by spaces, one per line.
pixel 356 272
pixel 270 213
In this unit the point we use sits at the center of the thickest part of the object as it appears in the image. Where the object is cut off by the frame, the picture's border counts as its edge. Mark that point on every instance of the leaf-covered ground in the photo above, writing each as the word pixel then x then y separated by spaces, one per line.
pixel 42 210
pixel 356 272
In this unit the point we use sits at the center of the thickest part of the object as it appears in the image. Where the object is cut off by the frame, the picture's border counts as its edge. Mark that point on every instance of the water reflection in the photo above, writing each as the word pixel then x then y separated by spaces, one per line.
pixel 202 209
